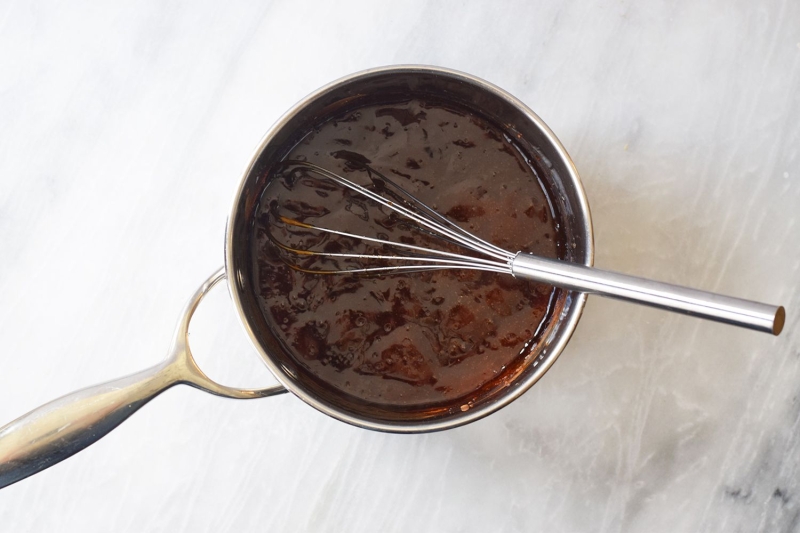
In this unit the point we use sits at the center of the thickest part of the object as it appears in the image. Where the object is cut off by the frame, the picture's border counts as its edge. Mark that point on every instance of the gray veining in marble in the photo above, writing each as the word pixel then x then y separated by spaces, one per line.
pixel 124 129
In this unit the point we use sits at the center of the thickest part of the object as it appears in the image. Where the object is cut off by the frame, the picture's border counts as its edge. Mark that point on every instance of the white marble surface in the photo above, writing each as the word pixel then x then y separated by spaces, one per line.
pixel 124 129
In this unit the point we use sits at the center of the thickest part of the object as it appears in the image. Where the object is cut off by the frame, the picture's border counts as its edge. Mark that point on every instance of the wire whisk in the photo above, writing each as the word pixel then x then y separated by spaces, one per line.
pixel 467 251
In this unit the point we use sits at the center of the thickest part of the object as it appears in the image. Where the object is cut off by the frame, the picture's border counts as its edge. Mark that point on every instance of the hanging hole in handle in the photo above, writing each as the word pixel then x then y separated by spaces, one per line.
pixel 220 347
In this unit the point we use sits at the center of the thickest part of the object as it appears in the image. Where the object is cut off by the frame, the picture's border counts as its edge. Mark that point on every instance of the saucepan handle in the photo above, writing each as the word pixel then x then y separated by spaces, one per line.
pixel 63 427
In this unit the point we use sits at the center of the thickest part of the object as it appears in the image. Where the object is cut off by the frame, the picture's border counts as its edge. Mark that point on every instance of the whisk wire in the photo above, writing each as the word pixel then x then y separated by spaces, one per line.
pixel 462 237
pixel 461 260
pixel 438 217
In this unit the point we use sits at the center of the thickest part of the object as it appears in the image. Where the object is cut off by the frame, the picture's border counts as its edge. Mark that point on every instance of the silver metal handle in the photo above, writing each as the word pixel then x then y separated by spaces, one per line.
pixel 57 430
pixel 744 313
pixel 63 427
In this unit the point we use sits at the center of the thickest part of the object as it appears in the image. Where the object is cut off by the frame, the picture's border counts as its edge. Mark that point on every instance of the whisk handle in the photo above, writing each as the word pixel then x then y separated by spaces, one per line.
pixel 735 311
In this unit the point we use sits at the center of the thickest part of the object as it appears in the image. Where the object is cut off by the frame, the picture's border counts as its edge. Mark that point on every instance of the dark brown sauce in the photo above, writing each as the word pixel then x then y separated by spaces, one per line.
pixel 416 340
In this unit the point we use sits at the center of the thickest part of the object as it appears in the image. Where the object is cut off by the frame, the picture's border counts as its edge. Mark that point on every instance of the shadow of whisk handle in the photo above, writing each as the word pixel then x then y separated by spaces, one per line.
pixel 735 311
